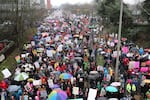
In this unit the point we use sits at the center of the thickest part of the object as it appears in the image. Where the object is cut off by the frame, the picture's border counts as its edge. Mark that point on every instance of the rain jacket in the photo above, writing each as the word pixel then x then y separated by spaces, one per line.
pixel 130 87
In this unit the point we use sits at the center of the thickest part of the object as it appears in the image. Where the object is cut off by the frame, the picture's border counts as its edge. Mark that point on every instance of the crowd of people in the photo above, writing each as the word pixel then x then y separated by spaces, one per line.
pixel 60 56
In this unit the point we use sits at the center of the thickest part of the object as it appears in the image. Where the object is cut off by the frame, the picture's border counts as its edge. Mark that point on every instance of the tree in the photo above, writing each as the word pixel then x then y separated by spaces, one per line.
pixel 79 8
pixel 110 10
pixel 146 9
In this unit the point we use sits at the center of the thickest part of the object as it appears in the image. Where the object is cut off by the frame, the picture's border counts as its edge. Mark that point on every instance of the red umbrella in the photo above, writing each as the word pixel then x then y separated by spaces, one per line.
pixel 148 62
pixel 123 39
pixel 3 85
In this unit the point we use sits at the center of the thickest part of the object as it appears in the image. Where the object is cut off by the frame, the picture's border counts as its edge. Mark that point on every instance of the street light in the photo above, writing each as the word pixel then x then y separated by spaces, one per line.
pixel 119 42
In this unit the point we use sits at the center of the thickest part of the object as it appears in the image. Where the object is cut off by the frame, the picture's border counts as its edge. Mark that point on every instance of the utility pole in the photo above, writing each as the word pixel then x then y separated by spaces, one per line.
pixel 119 41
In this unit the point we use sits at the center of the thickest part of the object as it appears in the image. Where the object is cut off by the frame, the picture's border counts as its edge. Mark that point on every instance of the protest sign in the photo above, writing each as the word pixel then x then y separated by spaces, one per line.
pixel 75 90
pixel 92 94
pixel 37 82
pixel 6 73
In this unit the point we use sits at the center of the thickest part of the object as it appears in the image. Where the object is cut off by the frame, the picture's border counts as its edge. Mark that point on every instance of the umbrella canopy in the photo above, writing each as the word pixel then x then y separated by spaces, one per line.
pixel 57 94
pixel 78 58
pixel 111 89
pixel 102 98
pixel 93 76
pixel 55 86
pixel 115 84
pixel 76 36
pixel 30 80
pixel 21 76
pixel 146 81
pixel 93 72
pixel 112 99
pixel 3 84
pixel 65 76
pixel 13 88
pixel 148 62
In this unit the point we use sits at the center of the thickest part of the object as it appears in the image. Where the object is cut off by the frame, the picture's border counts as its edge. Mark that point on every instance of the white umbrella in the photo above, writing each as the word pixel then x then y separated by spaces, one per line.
pixel 93 72
pixel 115 84
pixel 21 76
pixel 112 99
pixel 13 88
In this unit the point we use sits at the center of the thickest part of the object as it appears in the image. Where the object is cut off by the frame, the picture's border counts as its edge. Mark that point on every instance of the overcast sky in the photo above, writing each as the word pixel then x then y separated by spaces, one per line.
pixel 59 2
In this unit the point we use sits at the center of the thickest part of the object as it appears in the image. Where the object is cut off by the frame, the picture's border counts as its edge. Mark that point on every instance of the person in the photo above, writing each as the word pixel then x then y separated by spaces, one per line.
pixel 131 89
pixel 25 96
pixel 3 95
pixel 103 92
pixel 99 87
pixel 148 95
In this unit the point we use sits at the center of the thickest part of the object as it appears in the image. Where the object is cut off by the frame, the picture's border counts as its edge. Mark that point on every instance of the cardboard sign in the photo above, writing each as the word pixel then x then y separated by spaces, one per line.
pixel 75 91
pixel 33 43
pixel 27 88
pixel 131 64
pixel 115 54
pixel 125 49
pixel 37 82
pixel 50 83
pixel 23 55
pixel 49 53
pixel 2 57
pixel 6 73
pixel 136 64
pixel 92 94
pixel 37 65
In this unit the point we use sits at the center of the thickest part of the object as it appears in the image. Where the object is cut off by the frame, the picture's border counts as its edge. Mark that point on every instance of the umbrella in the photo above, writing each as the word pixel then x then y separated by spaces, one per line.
pixel 13 88
pixel 123 39
pixel 146 81
pixel 65 76
pixel 93 76
pixel 148 62
pixel 21 76
pixel 3 84
pixel 44 34
pixel 111 89
pixel 115 84
pixel 57 94
pixel 134 49
pixel 76 36
pixel 30 80
pixel 112 99
pixel 56 72
pixel 55 86
pixel 93 72
pixel 102 98
pixel 78 58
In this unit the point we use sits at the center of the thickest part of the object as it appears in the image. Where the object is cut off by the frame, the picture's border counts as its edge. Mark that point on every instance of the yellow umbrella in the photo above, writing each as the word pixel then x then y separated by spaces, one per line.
pixel 146 81
pixel 30 80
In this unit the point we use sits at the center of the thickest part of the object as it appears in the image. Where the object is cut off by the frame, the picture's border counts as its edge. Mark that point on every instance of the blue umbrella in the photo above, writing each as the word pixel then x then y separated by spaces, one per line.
pixel 111 89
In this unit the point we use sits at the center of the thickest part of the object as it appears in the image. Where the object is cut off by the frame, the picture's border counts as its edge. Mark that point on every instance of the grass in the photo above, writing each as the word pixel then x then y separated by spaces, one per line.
pixel 10 62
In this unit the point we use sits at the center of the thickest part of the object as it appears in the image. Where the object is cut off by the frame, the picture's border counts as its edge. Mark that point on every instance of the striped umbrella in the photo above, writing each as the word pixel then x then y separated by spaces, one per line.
pixel 57 94
pixel 65 76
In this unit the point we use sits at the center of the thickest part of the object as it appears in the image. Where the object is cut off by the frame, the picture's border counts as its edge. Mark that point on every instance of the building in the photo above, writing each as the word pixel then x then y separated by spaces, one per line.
pixel 49 6
pixel 8 8
pixel 42 4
